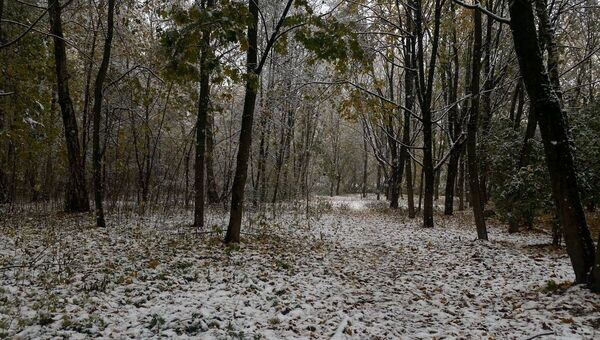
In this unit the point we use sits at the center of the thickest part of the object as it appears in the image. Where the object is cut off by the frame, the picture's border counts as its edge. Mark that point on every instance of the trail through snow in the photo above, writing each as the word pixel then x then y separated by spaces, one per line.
pixel 346 272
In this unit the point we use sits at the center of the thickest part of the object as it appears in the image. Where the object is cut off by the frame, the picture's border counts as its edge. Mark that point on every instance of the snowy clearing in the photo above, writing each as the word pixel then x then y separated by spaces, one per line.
pixel 349 271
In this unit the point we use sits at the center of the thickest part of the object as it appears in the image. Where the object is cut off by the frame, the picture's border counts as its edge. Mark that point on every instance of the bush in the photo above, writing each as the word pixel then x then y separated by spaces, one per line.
pixel 585 129
pixel 524 196
pixel 519 194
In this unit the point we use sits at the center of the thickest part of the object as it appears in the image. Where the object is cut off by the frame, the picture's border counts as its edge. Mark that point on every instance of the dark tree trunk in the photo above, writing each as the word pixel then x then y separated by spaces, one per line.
pixel 596 270
pixel 454 126
pixel 519 103
pixel 410 190
pixel 48 186
pixel 472 159
pixel 425 97
pixel 239 180
pixel 421 190
pixel 365 167
pixel 97 113
pixel 76 197
pixel 378 183
pixel 546 30
pixel 85 116
pixel 393 185
pixel 261 180
pixel 4 196
pixel 409 103
pixel 460 190
pixel 559 159
pixel 529 134
pixel 212 195
pixel 451 182
pixel 253 70
pixel 486 108
pixel 203 98
pixel 186 164
pixel 285 139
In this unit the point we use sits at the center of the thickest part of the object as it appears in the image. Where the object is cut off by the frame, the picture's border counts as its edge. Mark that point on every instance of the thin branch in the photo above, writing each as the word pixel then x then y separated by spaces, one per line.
pixel 27 30
pixel 484 11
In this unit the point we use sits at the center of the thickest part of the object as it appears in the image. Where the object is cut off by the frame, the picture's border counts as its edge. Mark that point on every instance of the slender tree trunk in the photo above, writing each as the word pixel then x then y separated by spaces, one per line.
pixel 393 185
pixel 186 164
pixel 529 134
pixel 260 188
pixel 76 199
pixel 365 167
pixel 559 159
pixel 205 60
pixel 409 103
pixel 454 125
pixel 410 190
pixel 48 185
pixel 546 31
pixel 486 107
pixel 461 184
pixel 425 97
pixel 519 102
pixel 378 183
pixel 285 140
pixel 421 189
pixel 596 270
pixel 97 113
pixel 239 181
pixel 212 195
pixel 4 197
pixel 473 162
pixel 85 117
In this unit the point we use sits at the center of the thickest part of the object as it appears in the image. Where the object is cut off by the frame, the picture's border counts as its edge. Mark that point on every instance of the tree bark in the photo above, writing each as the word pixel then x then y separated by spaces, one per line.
pixel 76 197
pixel 596 270
pixel 97 113
pixel 460 190
pixel 454 125
pixel 410 190
pixel 559 158
pixel 425 97
pixel 212 195
pixel 472 159
pixel 239 180
pixel 365 166
pixel 203 98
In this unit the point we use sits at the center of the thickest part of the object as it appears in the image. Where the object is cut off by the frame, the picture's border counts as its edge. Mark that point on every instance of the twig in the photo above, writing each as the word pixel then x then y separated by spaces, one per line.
pixel 485 11
pixel 541 334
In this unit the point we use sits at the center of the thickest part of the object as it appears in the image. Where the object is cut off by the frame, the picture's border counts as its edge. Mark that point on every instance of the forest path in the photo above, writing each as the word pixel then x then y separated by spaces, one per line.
pixel 353 270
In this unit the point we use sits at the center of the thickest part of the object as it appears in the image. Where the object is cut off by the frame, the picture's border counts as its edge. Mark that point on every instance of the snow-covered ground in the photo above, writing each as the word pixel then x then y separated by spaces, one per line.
pixel 348 271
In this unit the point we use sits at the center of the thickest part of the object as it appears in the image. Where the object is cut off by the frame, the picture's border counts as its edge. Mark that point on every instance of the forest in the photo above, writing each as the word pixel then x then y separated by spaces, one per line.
pixel 275 169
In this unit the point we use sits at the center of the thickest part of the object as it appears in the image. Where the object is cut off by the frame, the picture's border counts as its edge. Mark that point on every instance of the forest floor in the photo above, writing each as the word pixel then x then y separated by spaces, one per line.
pixel 352 269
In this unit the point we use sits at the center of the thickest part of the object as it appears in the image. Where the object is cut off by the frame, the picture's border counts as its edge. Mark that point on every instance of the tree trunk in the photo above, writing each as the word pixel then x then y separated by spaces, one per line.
pixel 472 159
pixel 76 197
pixel 425 97
pixel 365 167
pixel 239 180
pixel 410 190
pixel 211 191
pixel 378 183
pixel 559 159
pixel 393 185
pixel 596 270
pixel 529 134
pixel 519 102
pixel 97 113
pixel 203 98
pixel 260 188
pixel 460 190
pixel 454 125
